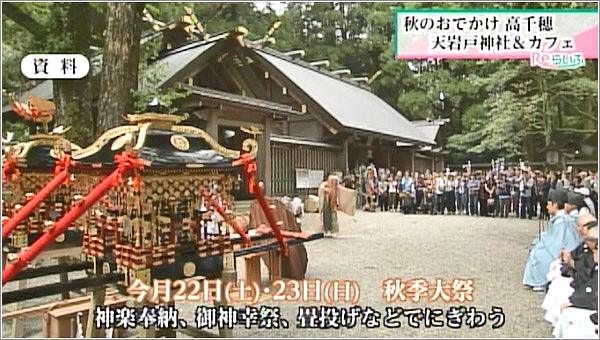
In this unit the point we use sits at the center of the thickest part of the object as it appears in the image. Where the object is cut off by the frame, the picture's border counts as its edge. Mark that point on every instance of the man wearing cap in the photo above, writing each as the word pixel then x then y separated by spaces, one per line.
pixel 573 204
pixel 562 233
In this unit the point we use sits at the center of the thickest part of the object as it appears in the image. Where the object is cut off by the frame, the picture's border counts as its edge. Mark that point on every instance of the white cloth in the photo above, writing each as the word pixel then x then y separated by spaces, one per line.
pixel 346 200
pixel 590 206
pixel 558 293
pixel 575 323
pixel 439 186
pixel 297 206
pixel 554 270
pixel 393 187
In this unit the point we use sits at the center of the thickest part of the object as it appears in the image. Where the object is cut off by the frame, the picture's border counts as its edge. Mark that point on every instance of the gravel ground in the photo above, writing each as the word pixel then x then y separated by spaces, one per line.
pixel 374 246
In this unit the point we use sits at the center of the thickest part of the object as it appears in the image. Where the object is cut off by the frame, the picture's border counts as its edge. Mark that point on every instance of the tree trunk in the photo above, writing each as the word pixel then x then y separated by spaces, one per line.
pixel 73 97
pixel 591 69
pixel 119 76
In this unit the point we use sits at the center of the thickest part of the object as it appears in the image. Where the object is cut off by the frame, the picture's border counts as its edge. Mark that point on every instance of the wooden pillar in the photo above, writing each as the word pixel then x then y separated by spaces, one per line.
pixel 252 268
pixel 98 296
pixel 388 157
pixel 412 161
pixel 17 323
pixel 342 158
pixel 286 127
pixel 274 259
pixel 265 145
pixel 346 166
pixel 149 332
pixel 212 124
pixel 229 274
pixel 64 278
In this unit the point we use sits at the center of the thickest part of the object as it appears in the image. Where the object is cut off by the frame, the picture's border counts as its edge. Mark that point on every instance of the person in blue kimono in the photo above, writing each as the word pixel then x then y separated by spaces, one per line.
pixel 561 234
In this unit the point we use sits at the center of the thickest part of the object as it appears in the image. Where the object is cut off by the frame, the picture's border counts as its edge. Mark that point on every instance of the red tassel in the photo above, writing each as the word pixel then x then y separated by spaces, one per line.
pixel 10 170
pixel 129 160
pixel 61 165
pixel 126 162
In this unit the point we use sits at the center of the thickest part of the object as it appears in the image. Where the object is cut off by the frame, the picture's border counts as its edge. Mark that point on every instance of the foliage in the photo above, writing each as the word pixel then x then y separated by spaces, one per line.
pixel 149 81
pixel 20 130
pixel 495 108
pixel 493 128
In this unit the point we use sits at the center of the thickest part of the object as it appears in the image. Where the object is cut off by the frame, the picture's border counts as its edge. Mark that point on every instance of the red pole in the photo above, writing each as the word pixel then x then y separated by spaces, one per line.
pixel 271 218
pixel 14 220
pixel 232 222
pixel 253 187
pixel 61 225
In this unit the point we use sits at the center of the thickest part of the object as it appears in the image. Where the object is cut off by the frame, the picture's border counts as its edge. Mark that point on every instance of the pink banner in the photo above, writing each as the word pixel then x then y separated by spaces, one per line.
pixel 570 37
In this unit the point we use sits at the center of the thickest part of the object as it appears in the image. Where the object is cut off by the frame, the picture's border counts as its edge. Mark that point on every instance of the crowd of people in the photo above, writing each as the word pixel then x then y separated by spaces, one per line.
pixel 517 191
pixel 563 259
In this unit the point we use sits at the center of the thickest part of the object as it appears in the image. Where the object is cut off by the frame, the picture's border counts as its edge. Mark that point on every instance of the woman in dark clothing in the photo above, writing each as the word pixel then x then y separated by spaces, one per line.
pixel 483 197
pixel 490 188
pixel 449 195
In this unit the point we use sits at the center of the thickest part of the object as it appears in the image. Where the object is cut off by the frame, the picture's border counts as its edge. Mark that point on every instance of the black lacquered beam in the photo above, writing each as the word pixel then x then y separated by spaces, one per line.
pixel 58 288
pixel 253 238
pixel 51 270
pixel 275 245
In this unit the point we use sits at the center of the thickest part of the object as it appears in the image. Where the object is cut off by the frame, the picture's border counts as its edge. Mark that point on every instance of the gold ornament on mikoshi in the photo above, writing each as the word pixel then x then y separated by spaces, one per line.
pixel 189 269
pixel 121 141
pixel 179 142
pixel 60 238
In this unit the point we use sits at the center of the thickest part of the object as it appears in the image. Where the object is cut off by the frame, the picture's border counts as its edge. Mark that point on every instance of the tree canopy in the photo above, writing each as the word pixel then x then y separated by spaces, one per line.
pixel 496 108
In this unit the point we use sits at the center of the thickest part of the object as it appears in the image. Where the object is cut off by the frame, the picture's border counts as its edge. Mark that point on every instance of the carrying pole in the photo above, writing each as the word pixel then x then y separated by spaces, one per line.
pixel 127 161
pixel 61 175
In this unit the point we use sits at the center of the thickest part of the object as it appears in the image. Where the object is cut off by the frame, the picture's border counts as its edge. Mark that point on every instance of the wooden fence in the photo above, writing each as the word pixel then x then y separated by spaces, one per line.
pixel 286 158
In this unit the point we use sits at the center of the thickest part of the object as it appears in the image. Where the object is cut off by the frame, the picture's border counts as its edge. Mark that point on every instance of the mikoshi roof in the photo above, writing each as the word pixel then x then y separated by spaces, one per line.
pixel 161 144
pixel 156 138
pixel 41 151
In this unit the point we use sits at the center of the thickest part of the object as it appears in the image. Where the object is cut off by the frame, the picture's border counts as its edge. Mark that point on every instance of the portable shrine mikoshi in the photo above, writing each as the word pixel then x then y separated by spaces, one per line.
pixel 156 203
pixel 35 181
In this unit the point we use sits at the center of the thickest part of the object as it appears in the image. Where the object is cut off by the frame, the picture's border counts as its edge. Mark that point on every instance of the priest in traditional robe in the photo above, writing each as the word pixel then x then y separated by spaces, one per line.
pixel 333 197
pixel 572 268
pixel 328 204
pixel 579 316
pixel 561 233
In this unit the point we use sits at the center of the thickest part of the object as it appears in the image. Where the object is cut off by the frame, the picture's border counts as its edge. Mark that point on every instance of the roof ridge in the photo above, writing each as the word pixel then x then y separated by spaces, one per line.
pixel 306 64
pixel 194 44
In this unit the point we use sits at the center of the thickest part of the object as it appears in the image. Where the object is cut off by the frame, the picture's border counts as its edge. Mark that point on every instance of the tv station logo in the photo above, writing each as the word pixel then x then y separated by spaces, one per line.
pixel 55 66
